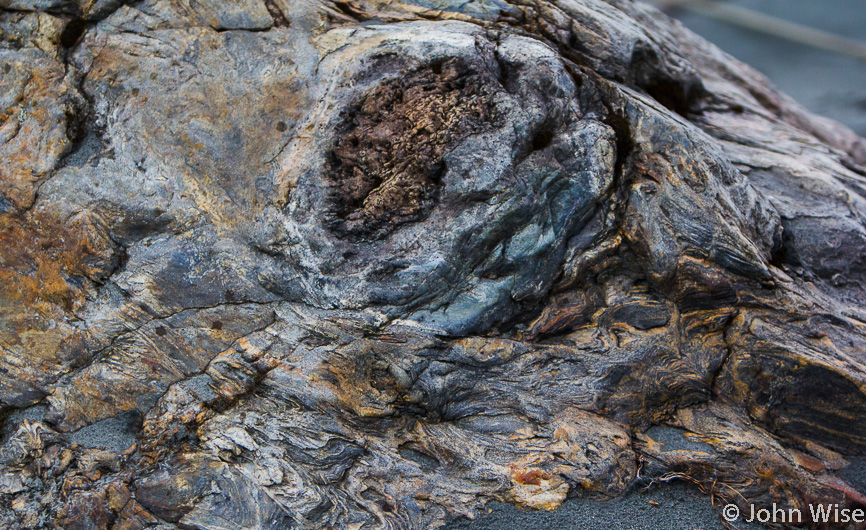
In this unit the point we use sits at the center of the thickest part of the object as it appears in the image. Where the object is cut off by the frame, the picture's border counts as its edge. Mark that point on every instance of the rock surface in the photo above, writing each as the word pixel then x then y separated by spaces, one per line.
pixel 309 264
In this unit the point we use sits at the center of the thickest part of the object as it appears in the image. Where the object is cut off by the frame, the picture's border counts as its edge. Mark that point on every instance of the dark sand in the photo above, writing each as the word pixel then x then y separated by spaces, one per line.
pixel 663 506
pixel 680 507
pixel 671 505
pixel 855 473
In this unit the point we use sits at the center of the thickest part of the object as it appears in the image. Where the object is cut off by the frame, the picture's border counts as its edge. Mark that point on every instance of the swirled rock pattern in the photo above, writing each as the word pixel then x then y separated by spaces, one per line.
pixel 273 264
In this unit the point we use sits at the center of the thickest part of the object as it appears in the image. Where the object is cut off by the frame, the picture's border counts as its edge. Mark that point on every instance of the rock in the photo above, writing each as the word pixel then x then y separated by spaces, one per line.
pixel 312 264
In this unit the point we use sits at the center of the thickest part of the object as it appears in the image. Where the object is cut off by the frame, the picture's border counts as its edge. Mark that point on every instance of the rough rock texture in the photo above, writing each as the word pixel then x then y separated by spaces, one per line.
pixel 368 264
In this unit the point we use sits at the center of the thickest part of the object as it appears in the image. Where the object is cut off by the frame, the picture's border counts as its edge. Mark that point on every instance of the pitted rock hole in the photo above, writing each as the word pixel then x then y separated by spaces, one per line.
pixel 386 168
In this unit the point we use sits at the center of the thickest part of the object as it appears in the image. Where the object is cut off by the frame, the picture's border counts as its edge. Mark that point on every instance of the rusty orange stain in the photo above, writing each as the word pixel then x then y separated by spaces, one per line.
pixel 530 477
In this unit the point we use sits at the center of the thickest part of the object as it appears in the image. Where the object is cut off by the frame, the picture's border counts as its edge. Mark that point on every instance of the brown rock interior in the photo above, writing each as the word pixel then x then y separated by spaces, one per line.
pixel 387 165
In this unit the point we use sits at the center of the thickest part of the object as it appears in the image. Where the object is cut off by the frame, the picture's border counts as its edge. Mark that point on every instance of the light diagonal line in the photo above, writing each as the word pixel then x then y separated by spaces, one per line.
pixel 770 25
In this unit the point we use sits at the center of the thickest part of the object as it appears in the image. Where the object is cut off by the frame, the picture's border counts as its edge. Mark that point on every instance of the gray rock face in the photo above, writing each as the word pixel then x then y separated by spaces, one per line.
pixel 456 182
pixel 305 264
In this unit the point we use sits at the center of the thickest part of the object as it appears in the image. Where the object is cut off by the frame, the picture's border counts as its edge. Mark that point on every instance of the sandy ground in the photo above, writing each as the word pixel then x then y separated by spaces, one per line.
pixel 671 506
pixel 855 473
pixel 663 506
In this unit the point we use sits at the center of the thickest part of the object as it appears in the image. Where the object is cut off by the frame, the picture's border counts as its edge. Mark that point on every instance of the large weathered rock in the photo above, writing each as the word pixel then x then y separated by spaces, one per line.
pixel 312 264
